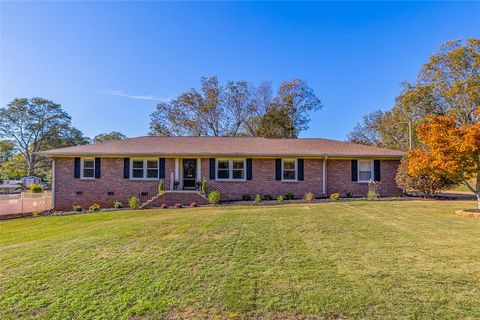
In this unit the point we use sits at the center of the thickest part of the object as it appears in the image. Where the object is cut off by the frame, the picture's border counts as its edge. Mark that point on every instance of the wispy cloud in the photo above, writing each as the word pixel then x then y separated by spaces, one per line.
pixel 120 93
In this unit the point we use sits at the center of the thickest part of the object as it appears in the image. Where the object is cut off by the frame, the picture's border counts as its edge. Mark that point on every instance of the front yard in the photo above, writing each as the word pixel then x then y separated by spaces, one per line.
pixel 392 259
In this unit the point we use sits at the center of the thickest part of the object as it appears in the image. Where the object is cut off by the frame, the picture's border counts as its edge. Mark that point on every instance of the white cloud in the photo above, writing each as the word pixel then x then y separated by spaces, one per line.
pixel 120 93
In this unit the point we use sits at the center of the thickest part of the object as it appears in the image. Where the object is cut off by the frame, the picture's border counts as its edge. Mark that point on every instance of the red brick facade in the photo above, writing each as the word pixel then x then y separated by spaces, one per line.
pixel 112 186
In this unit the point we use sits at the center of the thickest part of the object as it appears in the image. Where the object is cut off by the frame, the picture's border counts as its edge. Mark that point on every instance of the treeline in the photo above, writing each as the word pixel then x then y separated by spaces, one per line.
pixel 447 84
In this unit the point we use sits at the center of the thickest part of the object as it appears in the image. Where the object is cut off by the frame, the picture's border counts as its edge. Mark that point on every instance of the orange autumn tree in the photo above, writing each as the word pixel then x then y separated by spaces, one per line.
pixel 453 150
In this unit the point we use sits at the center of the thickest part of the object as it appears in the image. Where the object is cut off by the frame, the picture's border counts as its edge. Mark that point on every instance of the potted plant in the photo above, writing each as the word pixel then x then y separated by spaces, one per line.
pixel 176 183
pixel 198 184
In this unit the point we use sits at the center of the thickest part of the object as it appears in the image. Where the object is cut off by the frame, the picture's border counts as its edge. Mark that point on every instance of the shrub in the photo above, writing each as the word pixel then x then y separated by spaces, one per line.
pixel 246 197
pixel 178 205
pixel 289 196
pixel 214 197
pixel 267 197
pixel 203 187
pixel 94 207
pixel 35 188
pixel 258 198
pixel 335 196
pixel 193 204
pixel 425 182
pixel 309 196
pixel 77 208
pixel 373 188
pixel 280 198
pixel 164 206
pixel 349 195
pixel 134 202
pixel 161 186
pixel 117 205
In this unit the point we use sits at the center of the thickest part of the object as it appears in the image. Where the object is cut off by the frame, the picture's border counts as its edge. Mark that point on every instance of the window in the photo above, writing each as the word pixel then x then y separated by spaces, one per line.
pixel 365 170
pixel 289 169
pixel 144 169
pixel 88 168
pixel 231 169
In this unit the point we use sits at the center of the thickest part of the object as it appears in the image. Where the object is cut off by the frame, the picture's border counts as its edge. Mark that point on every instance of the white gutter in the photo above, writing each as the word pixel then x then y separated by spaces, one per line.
pixel 324 177
pixel 53 183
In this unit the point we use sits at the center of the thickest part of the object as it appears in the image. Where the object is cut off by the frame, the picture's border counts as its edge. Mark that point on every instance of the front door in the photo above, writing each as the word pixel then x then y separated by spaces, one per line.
pixel 189 174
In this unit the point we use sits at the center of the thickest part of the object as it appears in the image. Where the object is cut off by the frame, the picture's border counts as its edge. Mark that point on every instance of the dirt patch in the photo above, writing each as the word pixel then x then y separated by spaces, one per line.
pixel 468 213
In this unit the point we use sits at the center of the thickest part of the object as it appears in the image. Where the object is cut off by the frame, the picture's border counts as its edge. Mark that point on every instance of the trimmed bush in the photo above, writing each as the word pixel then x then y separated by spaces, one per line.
pixel 161 186
pixel 77 208
pixel 214 197
pixel 35 188
pixel 289 196
pixel 335 196
pixel 94 208
pixel 246 197
pixel 280 198
pixel 267 197
pixel 117 205
pixel 134 202
pixel 309 196
pixel 258 198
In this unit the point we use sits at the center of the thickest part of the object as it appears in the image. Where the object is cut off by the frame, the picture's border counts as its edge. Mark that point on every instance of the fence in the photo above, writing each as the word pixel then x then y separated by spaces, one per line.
pixel 25 202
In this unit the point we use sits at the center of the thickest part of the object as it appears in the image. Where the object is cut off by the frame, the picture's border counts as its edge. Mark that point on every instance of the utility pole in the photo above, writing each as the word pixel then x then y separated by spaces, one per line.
pixel 409 133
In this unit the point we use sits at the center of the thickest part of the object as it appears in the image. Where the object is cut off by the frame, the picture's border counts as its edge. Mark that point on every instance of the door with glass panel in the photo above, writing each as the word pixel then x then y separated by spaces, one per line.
pixel 189 174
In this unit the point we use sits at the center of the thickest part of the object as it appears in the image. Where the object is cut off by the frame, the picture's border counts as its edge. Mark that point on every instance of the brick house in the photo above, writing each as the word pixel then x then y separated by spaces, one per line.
pixel 111 171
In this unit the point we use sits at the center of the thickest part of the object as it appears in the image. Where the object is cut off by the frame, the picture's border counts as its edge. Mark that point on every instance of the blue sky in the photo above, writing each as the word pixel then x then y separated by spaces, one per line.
pixel 108 63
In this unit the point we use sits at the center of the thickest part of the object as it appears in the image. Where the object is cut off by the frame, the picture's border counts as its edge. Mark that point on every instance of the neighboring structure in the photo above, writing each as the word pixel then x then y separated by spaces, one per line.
pixel 106 172
pixel 10 186
pixel 27 181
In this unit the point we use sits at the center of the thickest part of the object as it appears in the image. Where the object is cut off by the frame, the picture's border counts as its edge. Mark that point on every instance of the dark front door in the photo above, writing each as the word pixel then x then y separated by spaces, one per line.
pixel 189 174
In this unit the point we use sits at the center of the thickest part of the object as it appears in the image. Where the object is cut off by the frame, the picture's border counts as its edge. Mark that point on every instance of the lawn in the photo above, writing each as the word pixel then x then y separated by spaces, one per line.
pixel 389 259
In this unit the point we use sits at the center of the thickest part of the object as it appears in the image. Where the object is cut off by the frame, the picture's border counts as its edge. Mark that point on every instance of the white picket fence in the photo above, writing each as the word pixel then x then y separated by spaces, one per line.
pixel 25 202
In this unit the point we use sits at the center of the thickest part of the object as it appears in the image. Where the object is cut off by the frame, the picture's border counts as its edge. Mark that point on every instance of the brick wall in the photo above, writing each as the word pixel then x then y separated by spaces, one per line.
pixel 96 190
pixel 263 182
pixel 339 178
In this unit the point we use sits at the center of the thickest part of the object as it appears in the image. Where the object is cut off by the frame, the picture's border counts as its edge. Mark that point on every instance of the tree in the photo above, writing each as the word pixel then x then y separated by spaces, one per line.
pixel 112 136
pixel 6 150
pixel 37 124
pixel 424 181
pixel 13 168
pixel 448 84
pixel 453 150
pixel 238 108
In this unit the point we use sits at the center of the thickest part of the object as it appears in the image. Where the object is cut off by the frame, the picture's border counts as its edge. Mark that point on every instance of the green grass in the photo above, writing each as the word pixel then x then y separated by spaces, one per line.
pixel 392 259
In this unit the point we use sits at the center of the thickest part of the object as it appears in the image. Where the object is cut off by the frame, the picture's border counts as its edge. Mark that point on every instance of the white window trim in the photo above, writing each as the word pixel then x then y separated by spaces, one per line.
pixel 82 166
pixel 296 171
pixel 371 170
pixel 144 168
pixel 230 170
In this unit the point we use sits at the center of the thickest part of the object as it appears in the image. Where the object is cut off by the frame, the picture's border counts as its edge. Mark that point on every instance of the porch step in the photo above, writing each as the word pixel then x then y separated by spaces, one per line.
pixel 171 198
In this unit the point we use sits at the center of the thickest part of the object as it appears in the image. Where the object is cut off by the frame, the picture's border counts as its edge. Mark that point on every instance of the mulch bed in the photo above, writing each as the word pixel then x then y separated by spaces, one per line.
pixel 468 213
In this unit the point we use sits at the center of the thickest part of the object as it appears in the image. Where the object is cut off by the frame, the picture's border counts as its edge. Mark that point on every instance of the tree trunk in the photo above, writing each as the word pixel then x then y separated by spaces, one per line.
pixel 478 201
pixel 31 165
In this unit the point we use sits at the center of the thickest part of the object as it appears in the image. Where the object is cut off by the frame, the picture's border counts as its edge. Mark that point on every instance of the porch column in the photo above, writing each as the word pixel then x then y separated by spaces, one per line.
pixel 177 169
pixel 199 169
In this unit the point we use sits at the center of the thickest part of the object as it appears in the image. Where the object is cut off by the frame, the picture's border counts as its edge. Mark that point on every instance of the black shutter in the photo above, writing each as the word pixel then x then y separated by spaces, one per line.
pixel 161 168
pixel 76 171
pixel 300 169
pixel 376 170
pixel 354 170
pixel 249 169
pixel 97 168
pixel 126 168
pixel 278 169
pixel 212 168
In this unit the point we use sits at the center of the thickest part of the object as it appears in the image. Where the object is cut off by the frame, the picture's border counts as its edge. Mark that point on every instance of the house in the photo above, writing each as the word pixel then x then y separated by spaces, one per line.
pixel 106 172
pixel 27 181
pixel 10 186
